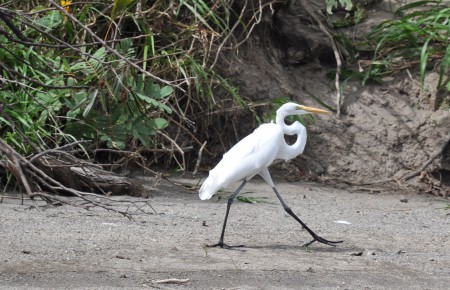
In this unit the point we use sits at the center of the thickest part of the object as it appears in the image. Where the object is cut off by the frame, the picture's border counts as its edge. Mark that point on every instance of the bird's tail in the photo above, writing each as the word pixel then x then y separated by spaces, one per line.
pixel 208 188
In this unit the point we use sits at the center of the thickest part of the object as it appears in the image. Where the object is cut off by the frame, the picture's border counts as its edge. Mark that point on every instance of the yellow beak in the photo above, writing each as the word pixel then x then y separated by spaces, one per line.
pixel 313 110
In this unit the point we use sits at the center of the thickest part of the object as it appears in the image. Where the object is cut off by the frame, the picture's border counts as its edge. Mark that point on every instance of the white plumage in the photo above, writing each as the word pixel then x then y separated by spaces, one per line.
pixel 254 154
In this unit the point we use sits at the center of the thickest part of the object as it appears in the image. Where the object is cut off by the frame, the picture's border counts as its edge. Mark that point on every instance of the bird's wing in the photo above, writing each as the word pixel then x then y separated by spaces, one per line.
pixel 260 147
pixel 246 159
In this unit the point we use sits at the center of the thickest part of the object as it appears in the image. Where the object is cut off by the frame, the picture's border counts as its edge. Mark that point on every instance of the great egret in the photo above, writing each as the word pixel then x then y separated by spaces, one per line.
pixel 254 154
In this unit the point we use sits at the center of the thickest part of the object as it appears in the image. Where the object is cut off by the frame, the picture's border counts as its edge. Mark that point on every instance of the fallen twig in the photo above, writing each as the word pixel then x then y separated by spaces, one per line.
pixel 33 177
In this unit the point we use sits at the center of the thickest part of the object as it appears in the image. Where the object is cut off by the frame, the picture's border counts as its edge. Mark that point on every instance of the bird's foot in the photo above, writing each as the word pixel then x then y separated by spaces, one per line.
pixel 224 246
pixel 323 241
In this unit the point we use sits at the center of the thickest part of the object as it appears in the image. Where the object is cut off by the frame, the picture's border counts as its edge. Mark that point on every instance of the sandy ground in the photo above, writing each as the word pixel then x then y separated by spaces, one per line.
pixel 392 241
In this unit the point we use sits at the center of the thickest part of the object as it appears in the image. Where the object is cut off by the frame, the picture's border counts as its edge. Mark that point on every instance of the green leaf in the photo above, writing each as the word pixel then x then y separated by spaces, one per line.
pixel 412 5
pixel 159 123
pixel 164 107
pixel 105 138
pixel 119 7
pixel 79 66
pixel 98 57
pixel 423 60
pixel 139 85
pixel 93 97
pixel 120 144
pixel 330 4
pixel 147 99
pixel 143 139
pixel 143 133
pixel 50 21
pixel 166 91
pixel 348 5
pixel 3 120
pixel 144 130
pixel 197 15
pixel 71 81
pixel 124 45
pixel 152 90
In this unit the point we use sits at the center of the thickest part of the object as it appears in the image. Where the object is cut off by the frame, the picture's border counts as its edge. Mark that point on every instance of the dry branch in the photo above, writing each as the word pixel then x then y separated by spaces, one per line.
pixel 428 162
pixel 53 172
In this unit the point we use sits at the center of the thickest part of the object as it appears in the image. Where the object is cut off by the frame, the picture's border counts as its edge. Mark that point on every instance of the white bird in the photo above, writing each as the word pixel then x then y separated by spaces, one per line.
pixel 254 154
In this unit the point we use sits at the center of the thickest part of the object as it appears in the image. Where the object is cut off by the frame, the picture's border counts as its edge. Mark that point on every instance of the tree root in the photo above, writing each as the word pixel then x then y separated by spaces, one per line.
pixel 55 172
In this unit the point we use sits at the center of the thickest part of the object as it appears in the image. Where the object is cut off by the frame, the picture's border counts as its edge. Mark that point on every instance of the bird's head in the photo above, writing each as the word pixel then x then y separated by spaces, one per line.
pixel 296 109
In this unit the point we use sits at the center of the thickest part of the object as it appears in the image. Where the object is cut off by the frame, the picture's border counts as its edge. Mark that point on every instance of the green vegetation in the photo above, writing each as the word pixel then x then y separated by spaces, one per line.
pixel 112 74
pixel 418 37
pixel 332 4
pixel 244 197
pixel 134 78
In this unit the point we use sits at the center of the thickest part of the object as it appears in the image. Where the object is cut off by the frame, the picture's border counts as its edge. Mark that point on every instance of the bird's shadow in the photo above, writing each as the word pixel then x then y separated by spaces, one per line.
pixel 313 248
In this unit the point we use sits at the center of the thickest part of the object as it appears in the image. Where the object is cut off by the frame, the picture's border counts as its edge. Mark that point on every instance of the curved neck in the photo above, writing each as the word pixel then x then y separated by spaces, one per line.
pixel 291 151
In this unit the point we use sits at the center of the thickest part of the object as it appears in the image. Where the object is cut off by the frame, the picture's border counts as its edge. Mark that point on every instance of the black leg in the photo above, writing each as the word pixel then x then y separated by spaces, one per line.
pixel 316 238
pixel 230 202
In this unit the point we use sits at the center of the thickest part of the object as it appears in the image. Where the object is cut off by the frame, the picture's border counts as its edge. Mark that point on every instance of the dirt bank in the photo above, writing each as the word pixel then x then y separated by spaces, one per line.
pixel 385 131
